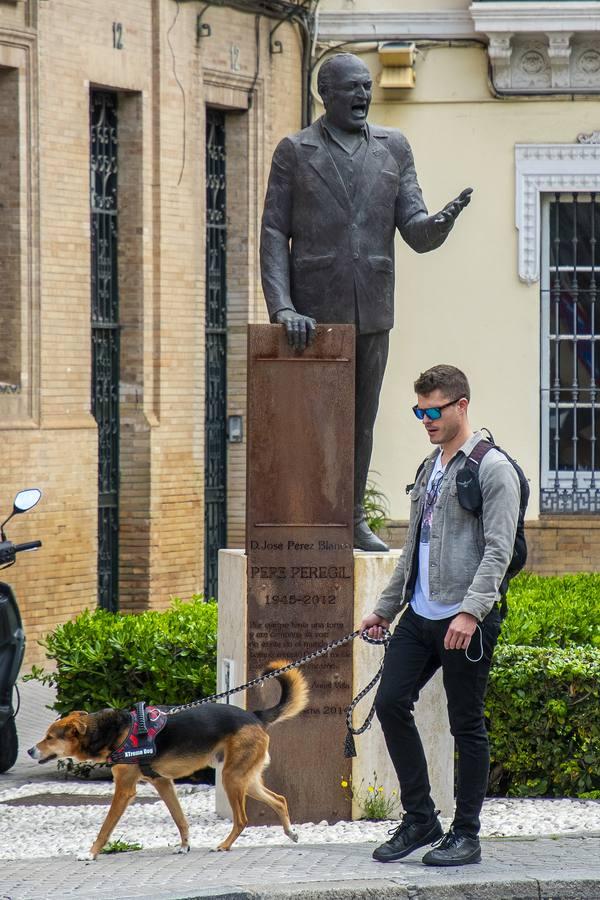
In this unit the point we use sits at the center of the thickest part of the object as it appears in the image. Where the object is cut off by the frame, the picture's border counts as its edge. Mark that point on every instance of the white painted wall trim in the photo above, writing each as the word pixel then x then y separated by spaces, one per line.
pixel 395 26
pixel 542 168
pixel 535 17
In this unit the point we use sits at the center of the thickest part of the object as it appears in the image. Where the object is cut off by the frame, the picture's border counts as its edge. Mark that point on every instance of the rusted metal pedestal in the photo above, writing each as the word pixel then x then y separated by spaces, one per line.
pixel 299 549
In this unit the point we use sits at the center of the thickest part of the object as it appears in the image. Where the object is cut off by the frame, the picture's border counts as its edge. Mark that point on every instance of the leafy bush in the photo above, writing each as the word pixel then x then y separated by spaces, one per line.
pixel 109 659
pixel 376 505
pixel 553 611
pixel 542 707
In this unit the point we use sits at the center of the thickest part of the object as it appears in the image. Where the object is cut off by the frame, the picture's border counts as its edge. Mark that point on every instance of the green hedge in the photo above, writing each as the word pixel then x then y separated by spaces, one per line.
pixel 542 704
pixel 542 707
pixel 108 659
pixel 553 611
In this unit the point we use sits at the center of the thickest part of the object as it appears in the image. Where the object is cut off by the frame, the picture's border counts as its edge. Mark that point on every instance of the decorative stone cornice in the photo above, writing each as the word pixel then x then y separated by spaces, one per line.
pixel 535 17
pixel 395 25
pixel 548 168
pixel 541 48
pixel 544 48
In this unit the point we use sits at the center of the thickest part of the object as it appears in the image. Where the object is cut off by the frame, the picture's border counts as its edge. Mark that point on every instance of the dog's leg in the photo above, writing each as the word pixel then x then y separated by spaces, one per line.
pixel 126 778
pixel 245 755
pixel 259 791
pixel 168 795
pixel 235 789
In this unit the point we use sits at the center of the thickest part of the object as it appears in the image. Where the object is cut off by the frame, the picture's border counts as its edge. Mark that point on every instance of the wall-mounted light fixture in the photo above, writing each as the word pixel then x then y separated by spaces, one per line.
pixel 397 59
pixel 235 429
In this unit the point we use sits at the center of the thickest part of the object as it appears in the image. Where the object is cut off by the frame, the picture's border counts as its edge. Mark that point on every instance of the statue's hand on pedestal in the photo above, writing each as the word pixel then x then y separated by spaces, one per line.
pixel 300 329
pixel 447 216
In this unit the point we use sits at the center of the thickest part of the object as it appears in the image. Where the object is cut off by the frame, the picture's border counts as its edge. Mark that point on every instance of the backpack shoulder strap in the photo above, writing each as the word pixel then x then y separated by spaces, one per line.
pixel 479 451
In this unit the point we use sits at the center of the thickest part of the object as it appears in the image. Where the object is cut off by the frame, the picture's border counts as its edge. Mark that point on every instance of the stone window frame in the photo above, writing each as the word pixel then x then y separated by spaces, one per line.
pixel 572 490
pixel 246 126
pixel 542 170
pixel 548 168
pixel 20 402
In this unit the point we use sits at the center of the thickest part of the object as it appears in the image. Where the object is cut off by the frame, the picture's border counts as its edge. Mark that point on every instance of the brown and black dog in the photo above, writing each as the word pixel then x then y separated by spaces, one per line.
pixel 191 739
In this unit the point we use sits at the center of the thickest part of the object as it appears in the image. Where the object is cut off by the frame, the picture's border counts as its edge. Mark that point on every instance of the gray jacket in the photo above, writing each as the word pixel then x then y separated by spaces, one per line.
pixel 468 556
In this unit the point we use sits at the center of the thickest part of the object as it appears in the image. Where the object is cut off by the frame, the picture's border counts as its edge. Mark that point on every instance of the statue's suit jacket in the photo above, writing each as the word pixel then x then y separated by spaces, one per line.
pixel 333 255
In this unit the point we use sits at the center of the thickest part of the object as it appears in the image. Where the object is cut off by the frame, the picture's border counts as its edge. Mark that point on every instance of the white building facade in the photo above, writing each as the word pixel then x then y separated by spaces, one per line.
pixel 503 97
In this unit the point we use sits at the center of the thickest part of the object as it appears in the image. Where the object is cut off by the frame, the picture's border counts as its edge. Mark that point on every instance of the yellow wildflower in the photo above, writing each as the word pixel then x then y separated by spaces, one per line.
pixel 344 784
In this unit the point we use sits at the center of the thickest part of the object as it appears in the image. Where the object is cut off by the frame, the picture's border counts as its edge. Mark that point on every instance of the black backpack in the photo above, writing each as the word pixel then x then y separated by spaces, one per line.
pixel 468 491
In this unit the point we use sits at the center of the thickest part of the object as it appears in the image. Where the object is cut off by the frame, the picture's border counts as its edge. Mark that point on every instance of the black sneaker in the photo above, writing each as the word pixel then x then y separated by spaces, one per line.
pixel 454 849
pixel 408 836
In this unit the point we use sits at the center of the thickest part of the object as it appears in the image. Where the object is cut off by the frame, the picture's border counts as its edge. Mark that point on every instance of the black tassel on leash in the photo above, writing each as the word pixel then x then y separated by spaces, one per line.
pixel 349 746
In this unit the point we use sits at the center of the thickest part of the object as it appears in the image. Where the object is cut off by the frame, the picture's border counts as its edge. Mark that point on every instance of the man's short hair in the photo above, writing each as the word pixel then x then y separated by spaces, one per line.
pixel 447 379
pixel 327 70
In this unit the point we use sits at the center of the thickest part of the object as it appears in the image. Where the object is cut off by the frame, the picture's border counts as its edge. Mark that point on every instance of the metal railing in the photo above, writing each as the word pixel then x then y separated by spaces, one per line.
pixel 571 355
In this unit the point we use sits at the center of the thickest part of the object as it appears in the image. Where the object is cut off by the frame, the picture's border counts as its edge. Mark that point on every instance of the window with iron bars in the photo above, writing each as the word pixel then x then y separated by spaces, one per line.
pixel 570 393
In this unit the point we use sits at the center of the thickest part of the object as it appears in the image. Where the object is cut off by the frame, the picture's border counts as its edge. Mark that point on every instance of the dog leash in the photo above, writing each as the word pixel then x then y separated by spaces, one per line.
pixel 349 747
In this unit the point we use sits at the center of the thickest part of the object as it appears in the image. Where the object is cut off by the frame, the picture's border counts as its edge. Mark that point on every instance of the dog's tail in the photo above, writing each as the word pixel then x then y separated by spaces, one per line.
pixel 294 695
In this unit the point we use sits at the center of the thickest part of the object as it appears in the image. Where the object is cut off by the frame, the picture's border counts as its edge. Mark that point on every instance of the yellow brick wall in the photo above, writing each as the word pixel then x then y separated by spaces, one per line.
pixel 164 78
pixel 555 546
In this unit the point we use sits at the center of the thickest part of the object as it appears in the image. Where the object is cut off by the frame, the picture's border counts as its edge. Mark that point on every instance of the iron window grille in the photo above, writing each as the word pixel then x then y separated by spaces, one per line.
pixel 215 473
pixel 105 334
pixel 570 401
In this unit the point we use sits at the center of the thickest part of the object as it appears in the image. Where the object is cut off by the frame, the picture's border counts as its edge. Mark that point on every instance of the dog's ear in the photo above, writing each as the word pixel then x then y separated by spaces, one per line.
pixel 79 723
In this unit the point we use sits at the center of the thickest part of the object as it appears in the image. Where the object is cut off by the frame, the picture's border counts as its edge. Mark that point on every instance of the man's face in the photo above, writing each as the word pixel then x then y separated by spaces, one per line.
pixel 444 429
pixel 348 96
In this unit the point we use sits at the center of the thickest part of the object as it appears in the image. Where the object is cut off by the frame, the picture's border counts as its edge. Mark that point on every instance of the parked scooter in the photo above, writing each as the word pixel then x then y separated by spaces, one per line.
pixel 12 636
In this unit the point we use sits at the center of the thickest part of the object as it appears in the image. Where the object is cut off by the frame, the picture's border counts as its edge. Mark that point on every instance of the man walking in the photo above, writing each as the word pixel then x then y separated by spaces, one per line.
pixel 337 192
pixel 449 576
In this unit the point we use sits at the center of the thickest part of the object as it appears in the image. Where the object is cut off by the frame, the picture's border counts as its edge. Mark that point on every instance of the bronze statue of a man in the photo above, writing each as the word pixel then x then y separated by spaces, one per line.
pixel 337 192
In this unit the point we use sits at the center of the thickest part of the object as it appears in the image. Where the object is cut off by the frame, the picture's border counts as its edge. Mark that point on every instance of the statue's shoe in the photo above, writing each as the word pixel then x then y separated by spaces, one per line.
pixel 364 539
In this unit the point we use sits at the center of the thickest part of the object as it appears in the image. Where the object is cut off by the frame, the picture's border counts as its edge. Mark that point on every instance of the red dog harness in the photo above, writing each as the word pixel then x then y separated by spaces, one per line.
pixel 139 746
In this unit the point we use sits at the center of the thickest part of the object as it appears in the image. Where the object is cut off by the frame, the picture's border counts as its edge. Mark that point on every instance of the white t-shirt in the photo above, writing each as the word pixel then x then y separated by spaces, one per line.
pixel 421 601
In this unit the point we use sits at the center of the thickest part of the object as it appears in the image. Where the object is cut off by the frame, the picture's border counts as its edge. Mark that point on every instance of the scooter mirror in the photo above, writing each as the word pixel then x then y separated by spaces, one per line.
pixel 26 500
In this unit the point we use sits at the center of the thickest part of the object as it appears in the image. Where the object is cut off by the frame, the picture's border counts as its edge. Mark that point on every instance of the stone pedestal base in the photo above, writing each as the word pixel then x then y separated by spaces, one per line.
pixel 372 571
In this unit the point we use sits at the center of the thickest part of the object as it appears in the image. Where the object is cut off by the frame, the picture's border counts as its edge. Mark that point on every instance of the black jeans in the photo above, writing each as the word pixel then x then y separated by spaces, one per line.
pixel 416 651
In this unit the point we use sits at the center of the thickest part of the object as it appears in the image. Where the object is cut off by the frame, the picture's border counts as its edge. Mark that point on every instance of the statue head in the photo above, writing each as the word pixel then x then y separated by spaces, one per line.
pixel 345 84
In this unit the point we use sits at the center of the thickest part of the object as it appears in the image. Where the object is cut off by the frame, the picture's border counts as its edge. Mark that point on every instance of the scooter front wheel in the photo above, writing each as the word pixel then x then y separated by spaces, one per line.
pixel 9 745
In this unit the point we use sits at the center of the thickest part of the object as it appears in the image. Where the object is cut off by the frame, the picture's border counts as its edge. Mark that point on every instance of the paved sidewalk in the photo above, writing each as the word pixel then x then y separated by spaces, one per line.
pixel 540 869
pixel 566 868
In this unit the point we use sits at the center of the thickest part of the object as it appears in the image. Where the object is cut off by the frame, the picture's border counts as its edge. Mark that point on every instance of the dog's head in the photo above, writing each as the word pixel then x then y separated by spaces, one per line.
pixel 63 739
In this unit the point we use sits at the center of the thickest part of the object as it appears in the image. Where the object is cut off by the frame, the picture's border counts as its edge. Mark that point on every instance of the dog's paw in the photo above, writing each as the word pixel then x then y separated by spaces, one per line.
pixel 221 849
pixel 179 850
pixel 292 836
pixel 86 856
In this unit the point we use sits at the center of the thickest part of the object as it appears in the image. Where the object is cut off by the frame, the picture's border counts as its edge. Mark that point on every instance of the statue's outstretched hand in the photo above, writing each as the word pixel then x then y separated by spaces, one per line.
pixel 300 329
pixel 451 210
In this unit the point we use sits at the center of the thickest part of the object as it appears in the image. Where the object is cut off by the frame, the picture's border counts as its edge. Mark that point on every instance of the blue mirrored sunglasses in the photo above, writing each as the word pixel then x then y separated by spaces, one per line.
pixel 434 412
